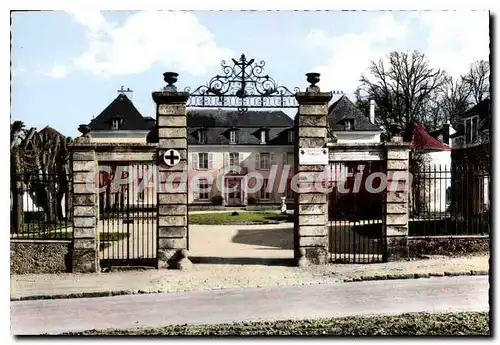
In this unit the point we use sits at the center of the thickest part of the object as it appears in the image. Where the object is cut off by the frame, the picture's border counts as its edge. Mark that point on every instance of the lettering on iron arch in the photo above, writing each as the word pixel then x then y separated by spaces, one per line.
pixel 242 85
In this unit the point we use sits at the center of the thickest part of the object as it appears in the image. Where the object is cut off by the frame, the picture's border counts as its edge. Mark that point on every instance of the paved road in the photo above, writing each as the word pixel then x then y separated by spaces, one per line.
pixel 251 304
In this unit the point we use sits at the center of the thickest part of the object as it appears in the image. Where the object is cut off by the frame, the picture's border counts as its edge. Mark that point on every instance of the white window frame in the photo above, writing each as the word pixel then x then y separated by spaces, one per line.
pixel 205 194
pixel 263 136
pixel 349 124
pixel 202 136
pixel 261 166
pixel 115 124
pixel 201 159
pixel 474 134
pixel 232 160
pixel 290 136
pixel 233 138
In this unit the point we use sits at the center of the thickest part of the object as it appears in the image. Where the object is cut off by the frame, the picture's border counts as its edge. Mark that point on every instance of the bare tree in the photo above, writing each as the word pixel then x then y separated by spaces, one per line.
pixel 478 80
pixel 402 89
pixel 455 98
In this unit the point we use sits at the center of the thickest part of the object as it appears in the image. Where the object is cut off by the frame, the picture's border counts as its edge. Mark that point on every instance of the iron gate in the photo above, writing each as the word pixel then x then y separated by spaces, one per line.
pixel 356 208
pixel 127 222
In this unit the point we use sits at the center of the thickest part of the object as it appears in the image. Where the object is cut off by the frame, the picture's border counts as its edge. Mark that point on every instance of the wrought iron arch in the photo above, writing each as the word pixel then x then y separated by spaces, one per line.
pixel 243 85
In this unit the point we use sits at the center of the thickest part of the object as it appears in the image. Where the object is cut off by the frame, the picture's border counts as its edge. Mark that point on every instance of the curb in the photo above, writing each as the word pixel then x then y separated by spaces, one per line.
pixel 349 280
pixel 417 275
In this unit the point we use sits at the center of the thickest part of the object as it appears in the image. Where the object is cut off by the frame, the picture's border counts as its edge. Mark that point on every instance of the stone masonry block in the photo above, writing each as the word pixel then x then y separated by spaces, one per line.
pixel 312 132
pixel 312 219
pixel 396 219
pixel 398 154
pixel 84 199
pixel 126 156
pixel 317 255
pixel 172 243
pixel 88 211
pixel 83 156
pixel 172 121
pixel 313 109
pixel 312 121
pixel 172 143
pixel 313 230
pixel 84 232
pixel 313 241
pixel 169 210
pixel 399 207
pixel 168 258
pixel 84 222
pixel 397 196
pixel 85 261
pixel 313 209
pixel 172 199
pixel 83 165
pixel 172 109
pixel 172 221
pixel 85 243
pixel 397 164
pixel 392 231
pixel 312 198
pixel 169 132
pixel 312 168
pixel 178 167
pixel 172 231
pixel 82 177
pixel 312 142
pixel 84 188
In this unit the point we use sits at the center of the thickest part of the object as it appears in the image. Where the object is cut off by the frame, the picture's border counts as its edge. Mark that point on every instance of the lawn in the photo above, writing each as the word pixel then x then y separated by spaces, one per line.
pixel 466 323
pixel 226 218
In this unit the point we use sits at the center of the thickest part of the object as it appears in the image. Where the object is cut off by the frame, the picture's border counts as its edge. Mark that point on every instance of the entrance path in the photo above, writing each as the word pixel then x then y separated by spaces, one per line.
pixel 253 304
pixel 217 276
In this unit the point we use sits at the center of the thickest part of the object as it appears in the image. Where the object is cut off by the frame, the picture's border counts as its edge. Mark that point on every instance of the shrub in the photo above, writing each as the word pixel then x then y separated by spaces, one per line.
pixel 216 199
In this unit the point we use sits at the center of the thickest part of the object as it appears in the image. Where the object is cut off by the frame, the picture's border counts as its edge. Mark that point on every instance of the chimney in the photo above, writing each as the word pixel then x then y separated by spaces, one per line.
pixel 129 93
pixel 372 111
pixel 446 133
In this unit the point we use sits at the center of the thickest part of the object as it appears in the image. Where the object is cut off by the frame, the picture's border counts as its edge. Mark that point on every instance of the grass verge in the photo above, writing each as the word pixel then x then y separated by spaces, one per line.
pixel 465 323
pixel 226 218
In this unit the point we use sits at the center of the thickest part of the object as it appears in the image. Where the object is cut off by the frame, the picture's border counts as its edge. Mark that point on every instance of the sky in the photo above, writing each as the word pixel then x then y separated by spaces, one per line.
pixel 68 66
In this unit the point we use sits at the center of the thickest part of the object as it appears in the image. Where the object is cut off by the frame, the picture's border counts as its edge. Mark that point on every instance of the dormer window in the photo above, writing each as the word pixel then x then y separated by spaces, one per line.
pixel 263 136
pixel 290 136
pixel 471 130
pixel 349 124
pixel 202 136
pixel 233 136
pixel 116 123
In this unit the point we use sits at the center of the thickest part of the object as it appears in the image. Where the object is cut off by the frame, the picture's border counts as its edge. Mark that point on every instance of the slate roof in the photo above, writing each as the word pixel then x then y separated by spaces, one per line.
pixel 121 107
pixel 344 109
pixel 228 118
pixel 218 122
pixel 51 132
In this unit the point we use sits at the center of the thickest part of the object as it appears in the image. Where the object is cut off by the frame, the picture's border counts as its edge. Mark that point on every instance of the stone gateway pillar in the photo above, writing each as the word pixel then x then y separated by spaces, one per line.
pixel 398 186
pixel 85 257
pixel 311 211
pixel 172 182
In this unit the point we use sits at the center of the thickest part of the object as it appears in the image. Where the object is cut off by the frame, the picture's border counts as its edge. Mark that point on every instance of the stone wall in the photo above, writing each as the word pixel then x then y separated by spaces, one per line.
pixel 40 257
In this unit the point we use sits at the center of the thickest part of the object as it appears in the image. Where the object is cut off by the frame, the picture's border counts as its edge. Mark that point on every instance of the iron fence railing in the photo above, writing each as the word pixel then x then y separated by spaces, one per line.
pixel 449 201
pixel 40 206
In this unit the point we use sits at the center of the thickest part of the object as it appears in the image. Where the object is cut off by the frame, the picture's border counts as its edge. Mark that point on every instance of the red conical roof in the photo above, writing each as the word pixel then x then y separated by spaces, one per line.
pixel 421 140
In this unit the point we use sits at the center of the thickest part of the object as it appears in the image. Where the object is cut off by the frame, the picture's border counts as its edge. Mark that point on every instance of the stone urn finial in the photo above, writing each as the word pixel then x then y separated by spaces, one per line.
pixel 313 79
pixel 170 78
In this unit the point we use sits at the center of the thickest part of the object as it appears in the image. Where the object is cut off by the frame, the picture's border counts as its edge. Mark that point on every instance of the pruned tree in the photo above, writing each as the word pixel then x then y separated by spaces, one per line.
pixel 477 80
pixel 402 88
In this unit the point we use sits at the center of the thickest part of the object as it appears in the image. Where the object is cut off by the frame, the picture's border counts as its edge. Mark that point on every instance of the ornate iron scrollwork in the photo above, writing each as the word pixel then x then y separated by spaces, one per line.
pixel 242 86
